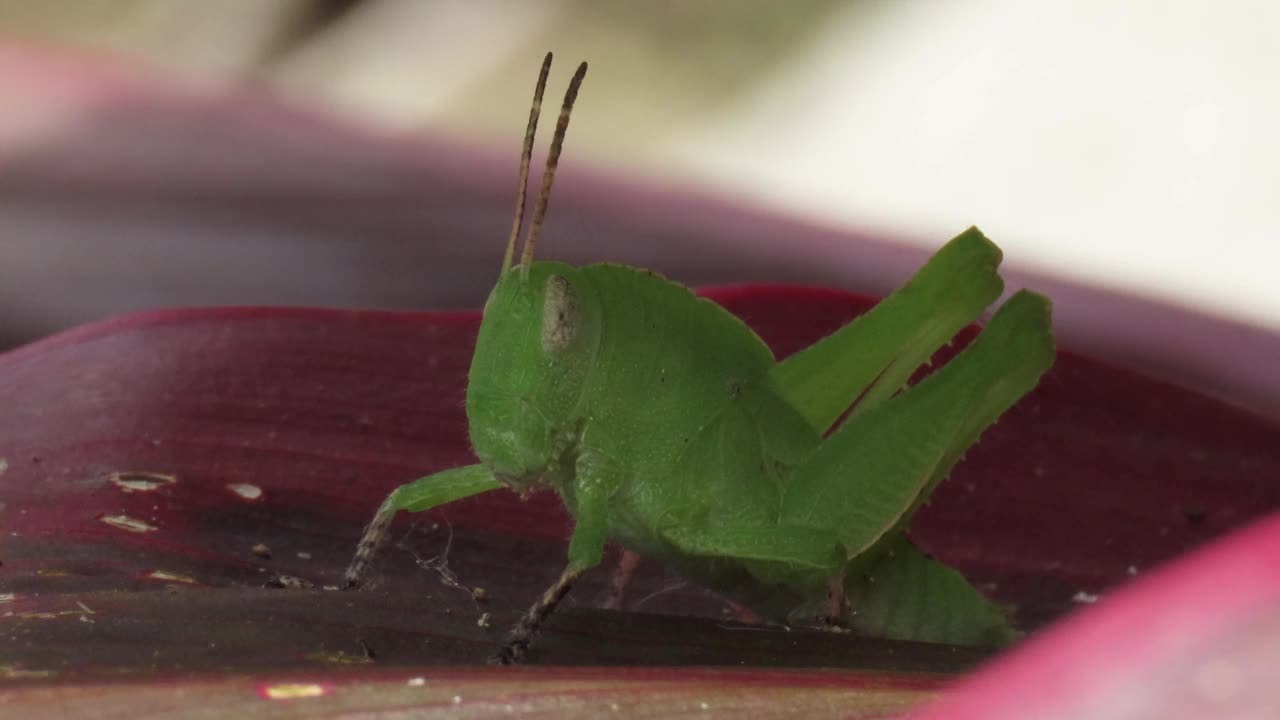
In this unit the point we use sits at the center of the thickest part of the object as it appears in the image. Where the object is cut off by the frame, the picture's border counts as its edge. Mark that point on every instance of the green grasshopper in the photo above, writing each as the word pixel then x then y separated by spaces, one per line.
pixel 667 425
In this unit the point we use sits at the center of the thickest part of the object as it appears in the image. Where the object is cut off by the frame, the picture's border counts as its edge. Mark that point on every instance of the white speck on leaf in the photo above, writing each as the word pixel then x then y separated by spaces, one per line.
pixel 245 490
pixel 135 481
pixel 1084 598
pixel 124 522
pixel 170 577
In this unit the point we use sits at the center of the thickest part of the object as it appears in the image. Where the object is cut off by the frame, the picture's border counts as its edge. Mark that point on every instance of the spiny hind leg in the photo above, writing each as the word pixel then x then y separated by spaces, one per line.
pixel 870 475
pixel 517 641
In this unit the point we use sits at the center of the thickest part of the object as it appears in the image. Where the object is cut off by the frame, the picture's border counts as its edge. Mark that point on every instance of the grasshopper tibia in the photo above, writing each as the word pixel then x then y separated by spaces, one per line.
pixel 518 639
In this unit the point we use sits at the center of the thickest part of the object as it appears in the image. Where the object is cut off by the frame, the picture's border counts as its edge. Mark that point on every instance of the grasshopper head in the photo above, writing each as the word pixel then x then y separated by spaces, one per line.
pixel 535 344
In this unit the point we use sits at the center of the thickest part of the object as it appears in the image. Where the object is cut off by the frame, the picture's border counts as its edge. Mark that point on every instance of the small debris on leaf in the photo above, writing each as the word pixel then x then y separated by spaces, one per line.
pixel 337 658
pixel 124 522
pixel 169 577
pixel 1084 598
pixel 245 491
pixel 289 582
pixel 140 481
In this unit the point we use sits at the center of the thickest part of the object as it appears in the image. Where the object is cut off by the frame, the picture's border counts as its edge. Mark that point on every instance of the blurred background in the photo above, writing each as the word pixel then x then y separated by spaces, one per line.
pixel 1128 146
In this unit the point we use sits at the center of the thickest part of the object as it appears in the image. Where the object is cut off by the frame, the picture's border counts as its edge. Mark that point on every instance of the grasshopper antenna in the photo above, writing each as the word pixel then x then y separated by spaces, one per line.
pixel 549 174
pixel 534 111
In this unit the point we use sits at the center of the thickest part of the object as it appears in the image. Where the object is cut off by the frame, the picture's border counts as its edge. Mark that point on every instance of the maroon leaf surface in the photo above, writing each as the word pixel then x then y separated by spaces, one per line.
pixel 173 451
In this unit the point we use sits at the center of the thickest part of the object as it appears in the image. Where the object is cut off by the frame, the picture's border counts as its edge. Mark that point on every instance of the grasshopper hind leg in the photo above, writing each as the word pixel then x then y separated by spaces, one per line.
pixel 517 641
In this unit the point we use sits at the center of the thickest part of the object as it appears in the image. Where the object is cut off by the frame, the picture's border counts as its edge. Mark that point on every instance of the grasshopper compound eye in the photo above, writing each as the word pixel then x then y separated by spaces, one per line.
pixel 559 315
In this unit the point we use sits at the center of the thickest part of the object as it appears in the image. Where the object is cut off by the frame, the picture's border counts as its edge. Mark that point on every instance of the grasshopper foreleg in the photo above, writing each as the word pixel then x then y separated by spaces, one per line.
pixel 417 496
pixel 586 547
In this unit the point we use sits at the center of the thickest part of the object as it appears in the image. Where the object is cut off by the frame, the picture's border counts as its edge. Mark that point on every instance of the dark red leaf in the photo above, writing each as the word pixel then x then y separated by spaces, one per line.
pixel 158 451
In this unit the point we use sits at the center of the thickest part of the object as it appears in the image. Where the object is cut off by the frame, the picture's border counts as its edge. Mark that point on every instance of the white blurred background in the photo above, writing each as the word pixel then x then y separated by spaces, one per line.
pixel 1128 143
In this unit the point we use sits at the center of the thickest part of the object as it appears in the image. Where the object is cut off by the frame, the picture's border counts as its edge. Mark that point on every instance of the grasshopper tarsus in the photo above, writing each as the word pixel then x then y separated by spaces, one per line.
pixel 368 548
pixel 517 641
pixel 511 653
